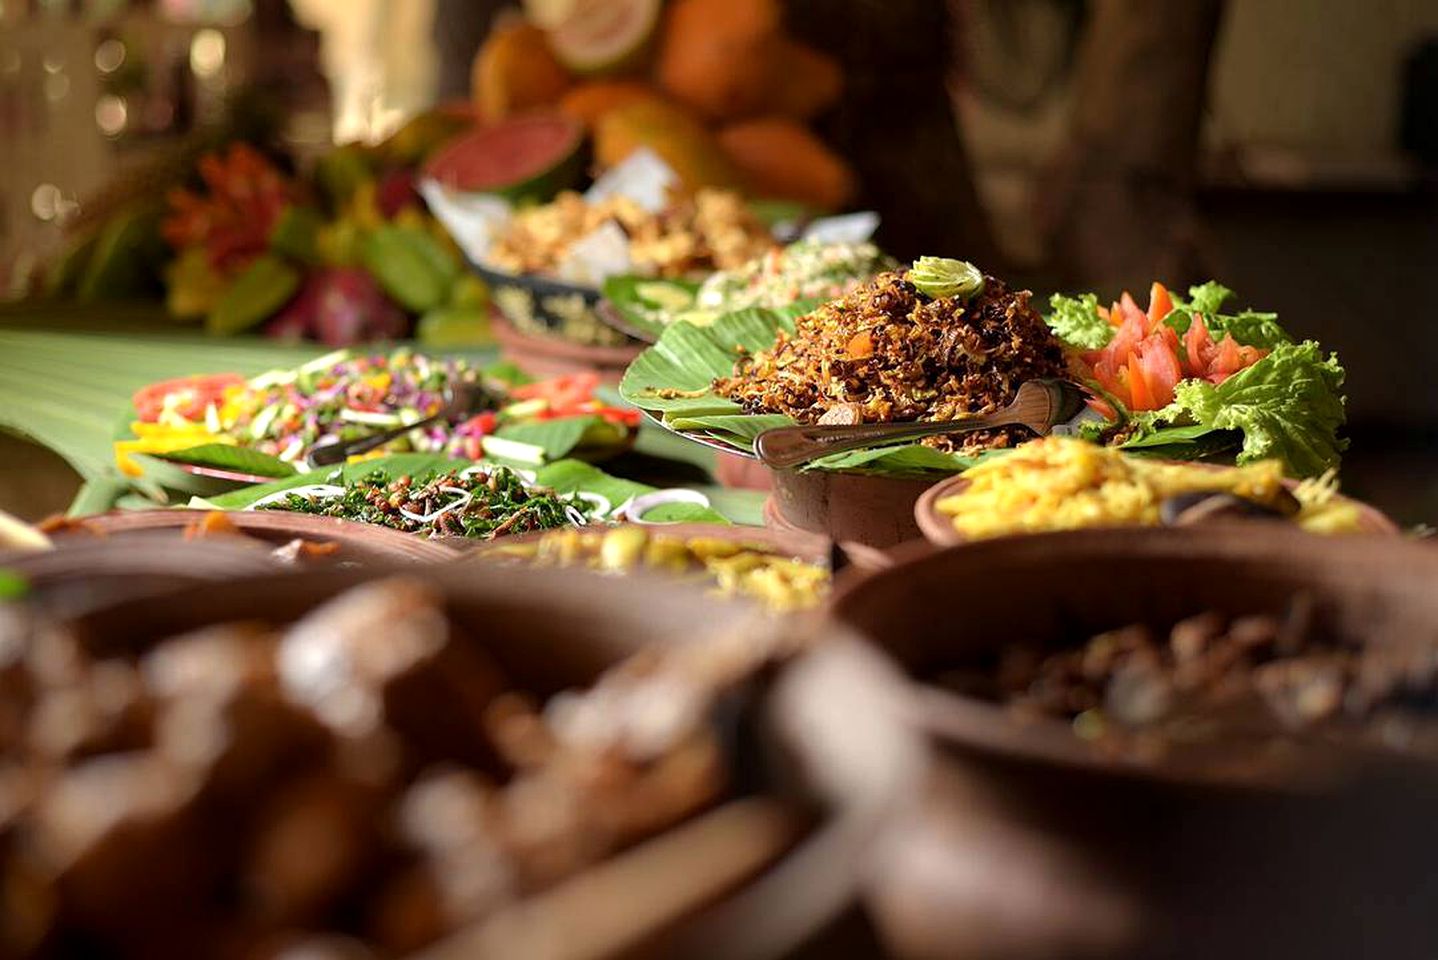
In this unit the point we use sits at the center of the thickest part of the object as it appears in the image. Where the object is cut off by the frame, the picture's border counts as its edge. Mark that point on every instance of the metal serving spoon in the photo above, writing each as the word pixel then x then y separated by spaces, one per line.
pixel 1044 406
pixel 459 399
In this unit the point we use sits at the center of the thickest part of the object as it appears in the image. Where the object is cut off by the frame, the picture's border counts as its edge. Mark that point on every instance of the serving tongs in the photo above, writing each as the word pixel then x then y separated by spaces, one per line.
pixel 1043 406
pixel 459 400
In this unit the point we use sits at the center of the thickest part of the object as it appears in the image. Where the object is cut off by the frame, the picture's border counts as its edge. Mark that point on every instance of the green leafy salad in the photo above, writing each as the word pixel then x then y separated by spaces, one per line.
pixel 1185 379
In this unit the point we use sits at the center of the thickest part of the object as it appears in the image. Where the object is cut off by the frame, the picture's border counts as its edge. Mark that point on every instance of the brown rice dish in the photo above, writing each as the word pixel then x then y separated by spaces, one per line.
pixel 887 352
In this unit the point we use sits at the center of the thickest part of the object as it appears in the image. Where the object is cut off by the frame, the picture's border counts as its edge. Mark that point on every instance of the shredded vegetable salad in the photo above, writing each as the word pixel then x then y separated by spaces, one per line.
pixel 479 502
pixel 284 413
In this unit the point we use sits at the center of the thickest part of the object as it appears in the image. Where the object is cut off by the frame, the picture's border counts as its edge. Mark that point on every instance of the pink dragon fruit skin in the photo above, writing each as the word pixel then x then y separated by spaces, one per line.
pixel 340 306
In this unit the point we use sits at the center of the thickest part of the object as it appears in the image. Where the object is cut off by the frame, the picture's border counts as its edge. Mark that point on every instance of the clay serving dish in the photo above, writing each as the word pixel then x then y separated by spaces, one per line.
pixel 874 510
pixel 939 530
pixel 1029 842
pixel 756 876
pixel 543 354
pixel 83 574
pixel 357 542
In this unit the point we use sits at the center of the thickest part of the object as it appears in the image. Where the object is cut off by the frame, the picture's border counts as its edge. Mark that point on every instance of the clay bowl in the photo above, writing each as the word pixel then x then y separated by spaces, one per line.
pixel 82 575
pixel 937 529
pixel 542 354
pixel 357 542
pixel 877 511
pixel 754 877
pixel 1028 842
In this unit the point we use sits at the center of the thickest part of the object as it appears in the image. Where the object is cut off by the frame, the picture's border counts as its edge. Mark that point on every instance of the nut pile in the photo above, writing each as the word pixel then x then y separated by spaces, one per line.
pixel 710 230
pixel 358 784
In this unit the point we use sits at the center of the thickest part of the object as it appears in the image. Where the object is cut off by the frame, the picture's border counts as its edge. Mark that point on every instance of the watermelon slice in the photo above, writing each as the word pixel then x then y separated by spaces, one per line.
pixel 526 158
pixel 605 37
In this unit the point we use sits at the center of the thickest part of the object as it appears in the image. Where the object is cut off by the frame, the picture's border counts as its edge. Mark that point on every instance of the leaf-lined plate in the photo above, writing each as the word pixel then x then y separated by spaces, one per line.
pixel 562 476
pixel 673 381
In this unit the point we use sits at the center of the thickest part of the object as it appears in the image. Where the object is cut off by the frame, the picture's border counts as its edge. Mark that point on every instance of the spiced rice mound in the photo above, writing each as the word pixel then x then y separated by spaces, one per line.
pixel 887 352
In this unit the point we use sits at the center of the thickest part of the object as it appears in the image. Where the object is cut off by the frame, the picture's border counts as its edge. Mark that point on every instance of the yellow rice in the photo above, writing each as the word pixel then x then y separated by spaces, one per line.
pixel 1061 483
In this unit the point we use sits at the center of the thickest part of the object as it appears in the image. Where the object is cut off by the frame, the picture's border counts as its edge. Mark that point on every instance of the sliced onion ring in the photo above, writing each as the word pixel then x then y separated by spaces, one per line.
pixel 635 507
pixel 320 491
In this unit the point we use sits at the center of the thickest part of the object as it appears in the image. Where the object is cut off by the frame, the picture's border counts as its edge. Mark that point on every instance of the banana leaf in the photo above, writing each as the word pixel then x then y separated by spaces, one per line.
pixel 649 305
pixel 228 457
pixel 674 380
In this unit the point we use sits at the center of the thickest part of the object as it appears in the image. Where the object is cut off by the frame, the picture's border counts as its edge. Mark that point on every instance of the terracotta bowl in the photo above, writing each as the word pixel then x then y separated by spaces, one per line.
pixel 357 542
pixel 1028 842
pixel 82 574
pixel 938 530
pixel 741 472
pixel 551 355
pixel 725 884
pixel 877 511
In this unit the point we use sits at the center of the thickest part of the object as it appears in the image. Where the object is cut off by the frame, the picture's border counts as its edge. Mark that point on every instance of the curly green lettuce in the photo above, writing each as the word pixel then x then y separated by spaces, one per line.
pixel 1076 321
pixel 1249 327
pixel 1287 406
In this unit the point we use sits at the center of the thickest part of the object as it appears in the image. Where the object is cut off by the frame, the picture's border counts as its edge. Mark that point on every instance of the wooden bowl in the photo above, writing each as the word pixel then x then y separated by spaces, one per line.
pixel 752 878
pixel 358 542
pixel 939 530
pixel 1028 842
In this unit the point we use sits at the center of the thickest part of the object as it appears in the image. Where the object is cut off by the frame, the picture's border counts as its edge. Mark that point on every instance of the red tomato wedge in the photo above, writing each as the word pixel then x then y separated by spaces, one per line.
pixel 186 396
pixel 1145 360
pixel 573 396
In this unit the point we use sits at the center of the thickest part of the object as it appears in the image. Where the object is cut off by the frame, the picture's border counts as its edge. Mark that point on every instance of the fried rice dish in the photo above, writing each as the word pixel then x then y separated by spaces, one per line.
pixel 710 230
pixel 887 352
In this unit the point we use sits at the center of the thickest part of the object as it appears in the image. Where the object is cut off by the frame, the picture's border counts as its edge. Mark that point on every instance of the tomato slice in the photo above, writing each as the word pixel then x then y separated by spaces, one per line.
pixel 186 396
pixel 1160 304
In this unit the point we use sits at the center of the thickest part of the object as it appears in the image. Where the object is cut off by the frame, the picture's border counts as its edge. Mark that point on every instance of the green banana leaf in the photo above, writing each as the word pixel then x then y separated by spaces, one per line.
pixel 563 476
pixel 225 456
pixel 673 379
pixel 647 304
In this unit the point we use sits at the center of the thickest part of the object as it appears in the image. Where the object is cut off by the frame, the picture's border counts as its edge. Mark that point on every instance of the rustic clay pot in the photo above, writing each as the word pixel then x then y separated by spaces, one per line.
pixel 741 472
pixel 877 511
pixel 1028 842
pixel 358 542
pixel 757 877
pixel 81 575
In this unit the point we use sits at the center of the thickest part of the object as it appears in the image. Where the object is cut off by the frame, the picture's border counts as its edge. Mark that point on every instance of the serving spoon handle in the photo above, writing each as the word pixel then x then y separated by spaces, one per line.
pixel 1039 405
pixel 333 450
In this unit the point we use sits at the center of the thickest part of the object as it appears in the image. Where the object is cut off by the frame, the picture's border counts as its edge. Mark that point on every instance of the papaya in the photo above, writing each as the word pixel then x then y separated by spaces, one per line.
pixel 674 134
pixel 588 102
pixel 780 159
pixel 721 56
pixel 515 71
pixel 807 82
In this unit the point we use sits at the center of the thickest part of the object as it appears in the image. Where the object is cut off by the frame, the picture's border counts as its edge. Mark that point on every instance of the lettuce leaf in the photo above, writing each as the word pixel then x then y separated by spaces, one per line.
pixel 1076 321
pixel 1249 327
pixel 1288 406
